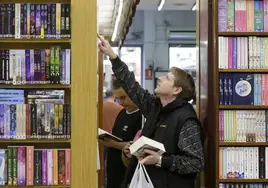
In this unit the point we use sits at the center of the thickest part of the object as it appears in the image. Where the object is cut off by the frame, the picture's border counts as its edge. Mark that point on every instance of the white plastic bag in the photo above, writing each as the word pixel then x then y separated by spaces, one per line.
pixel 141 178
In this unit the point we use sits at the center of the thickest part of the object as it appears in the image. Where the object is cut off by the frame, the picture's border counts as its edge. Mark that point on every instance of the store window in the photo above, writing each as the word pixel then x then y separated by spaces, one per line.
pixel 184 57
pixel 132 56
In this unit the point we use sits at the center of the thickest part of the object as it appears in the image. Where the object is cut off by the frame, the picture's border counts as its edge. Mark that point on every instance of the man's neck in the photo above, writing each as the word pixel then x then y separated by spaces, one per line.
pixel 110 99
pixel 131 111
pixel 166 100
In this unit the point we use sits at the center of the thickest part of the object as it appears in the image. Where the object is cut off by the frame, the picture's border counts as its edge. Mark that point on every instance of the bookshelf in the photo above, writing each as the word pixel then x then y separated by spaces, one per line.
pixel 240 141
pixel 80 93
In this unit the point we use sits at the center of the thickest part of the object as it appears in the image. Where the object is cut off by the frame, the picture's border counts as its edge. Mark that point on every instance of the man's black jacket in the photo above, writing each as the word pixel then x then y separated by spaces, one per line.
pixel 175 125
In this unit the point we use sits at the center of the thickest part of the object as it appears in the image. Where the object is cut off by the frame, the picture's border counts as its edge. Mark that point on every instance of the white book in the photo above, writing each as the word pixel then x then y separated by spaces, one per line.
pixel 137 148
pixel 104 134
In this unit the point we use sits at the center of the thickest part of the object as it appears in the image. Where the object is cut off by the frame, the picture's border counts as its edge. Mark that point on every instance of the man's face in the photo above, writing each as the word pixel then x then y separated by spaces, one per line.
pixel 124 99
pixel 165 86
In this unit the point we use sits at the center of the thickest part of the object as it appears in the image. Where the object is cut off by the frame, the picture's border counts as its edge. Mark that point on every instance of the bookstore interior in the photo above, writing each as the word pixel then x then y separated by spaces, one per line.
pixel 54 79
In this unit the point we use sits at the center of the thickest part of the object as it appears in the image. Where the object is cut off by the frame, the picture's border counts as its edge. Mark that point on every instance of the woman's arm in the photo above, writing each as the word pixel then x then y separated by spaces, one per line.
pixel 141 97
pixel 190 143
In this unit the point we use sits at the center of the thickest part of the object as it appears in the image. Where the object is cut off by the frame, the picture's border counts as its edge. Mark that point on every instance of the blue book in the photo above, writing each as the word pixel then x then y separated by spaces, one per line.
pixel 243 89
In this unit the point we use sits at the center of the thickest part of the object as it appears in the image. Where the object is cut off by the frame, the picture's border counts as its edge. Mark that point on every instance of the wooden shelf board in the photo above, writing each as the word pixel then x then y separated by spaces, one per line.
pixel 3 40
pixel 241 34
pixel 244 70
pixel 241 107
pixel 243 180
pixel 37 141
pixel 243 144
pixel 36 1
pixel 37 186
pixel 36 86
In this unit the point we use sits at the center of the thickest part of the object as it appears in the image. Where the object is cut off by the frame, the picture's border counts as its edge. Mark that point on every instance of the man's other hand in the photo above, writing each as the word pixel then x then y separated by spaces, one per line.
pixel 126 149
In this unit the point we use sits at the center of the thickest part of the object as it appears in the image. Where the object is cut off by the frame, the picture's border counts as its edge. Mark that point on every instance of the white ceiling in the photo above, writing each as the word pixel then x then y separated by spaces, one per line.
pixel 107 11
pixel 169 4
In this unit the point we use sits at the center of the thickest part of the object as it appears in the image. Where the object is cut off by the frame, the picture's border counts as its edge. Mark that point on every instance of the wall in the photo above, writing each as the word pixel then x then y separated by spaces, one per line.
pixel 152 29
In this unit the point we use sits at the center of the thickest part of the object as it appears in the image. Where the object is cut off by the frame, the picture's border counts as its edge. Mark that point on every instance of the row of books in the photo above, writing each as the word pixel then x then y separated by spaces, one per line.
pixel 35 121
pixel 243 89
pixel 35 20
pixel 243 126
pixel 25 165
pixel 20 96
pixel 243 52
pixel 243 16
pixel 243 162
pixel 243 185
pixel 29 66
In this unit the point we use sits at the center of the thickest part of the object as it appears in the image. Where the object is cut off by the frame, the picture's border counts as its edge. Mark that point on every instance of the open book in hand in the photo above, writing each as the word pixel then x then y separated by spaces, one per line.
pixel 137 148
pixel 104 134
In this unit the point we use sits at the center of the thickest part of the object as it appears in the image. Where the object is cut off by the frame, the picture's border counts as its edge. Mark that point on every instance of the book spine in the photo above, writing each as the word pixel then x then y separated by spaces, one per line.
pixel 58 20
pixel 50 167
pixel 10 166
pixel 68 20
pixel 44 167
pixel 15 165
pixel 38 21
pixel 21 166
pixel 68 166
pixel 62 168
pixel 29 166
pixel 55 166
pixel 37 167
pixel 32 21
pixel 62 27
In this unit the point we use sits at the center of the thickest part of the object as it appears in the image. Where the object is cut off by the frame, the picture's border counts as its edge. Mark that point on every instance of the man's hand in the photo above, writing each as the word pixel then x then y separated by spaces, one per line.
pixel 105 48
pixel 151 159
pixel 126 149
pixel 113 144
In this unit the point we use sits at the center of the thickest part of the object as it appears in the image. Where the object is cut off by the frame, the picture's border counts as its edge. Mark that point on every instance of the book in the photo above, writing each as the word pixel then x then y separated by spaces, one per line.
pixel 243 126
pixel 40 21
pixel 137 148
pixel 27 166
pixel 104 134
pixel 36 66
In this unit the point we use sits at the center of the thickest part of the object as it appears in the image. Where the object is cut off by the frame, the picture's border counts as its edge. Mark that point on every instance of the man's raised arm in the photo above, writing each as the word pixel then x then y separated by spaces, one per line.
pixel 141 97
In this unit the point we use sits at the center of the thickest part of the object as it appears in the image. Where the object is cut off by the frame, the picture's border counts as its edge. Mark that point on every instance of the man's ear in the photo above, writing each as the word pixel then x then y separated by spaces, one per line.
pixel 177 90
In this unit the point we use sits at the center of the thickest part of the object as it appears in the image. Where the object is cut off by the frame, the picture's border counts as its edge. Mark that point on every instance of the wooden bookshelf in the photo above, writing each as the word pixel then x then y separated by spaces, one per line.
pixel 216 97
pixel 53 41
pixel 244 70
pixel 242 107
pixel 81 92
pixel 248 144
pixel 243 181
pixel 243 34
pixel 36 86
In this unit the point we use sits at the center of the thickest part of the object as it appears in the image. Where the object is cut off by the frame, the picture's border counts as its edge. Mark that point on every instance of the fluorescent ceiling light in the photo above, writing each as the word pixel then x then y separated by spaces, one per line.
pixel 194 7
pixel 161 4
pixel 120 9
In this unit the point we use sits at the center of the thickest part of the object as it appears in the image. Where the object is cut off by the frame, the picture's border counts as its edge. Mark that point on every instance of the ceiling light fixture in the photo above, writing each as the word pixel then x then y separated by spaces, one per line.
pixel 194 7
pixel 161 4
pixel 116 25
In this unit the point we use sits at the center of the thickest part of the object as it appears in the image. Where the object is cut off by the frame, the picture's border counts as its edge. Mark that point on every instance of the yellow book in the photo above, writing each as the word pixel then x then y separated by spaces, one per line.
pixel 55 166
pixel 58 19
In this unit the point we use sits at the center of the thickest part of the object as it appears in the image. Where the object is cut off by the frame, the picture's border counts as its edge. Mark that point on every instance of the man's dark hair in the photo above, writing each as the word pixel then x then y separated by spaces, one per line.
pixel 109 93
pixel 116 84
